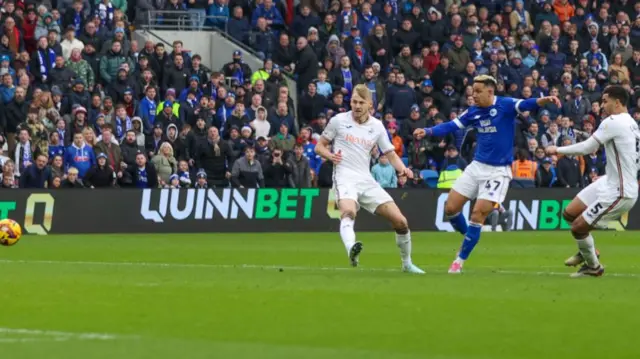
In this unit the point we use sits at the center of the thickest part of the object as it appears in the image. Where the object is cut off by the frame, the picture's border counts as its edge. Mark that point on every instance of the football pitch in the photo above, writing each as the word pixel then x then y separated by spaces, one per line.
pixel 293 296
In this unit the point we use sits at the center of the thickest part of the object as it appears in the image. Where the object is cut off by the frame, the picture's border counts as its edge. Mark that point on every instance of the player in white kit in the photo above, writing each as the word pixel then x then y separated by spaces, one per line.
pixel 355 134
pixel 611 195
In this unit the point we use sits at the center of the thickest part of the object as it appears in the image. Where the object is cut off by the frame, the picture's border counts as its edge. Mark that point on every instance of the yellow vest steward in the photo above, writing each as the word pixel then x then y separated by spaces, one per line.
pixel 447 178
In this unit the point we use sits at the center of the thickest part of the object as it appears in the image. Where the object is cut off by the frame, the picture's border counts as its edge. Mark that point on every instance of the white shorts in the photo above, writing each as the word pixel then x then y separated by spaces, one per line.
pixel 367 194
pixel 602 205
pixel 483 181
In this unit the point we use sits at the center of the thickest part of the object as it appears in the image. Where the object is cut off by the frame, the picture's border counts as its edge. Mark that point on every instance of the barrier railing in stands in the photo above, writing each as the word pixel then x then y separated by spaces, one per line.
pixel 183 20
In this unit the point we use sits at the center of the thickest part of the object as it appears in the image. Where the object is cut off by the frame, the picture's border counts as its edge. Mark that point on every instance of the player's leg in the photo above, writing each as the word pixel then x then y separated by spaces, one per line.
pixel 574 210
pixel 464 189
pixel 490 192
pixel 453 211
pixel 391 212
pixel 347 199
pixel 601 210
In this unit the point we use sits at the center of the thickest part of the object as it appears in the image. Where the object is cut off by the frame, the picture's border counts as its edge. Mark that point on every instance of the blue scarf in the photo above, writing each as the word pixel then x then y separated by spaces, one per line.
pixel 105 12
pixel 44 69
pixel 348 81
pixel 239 75
pixel 77 21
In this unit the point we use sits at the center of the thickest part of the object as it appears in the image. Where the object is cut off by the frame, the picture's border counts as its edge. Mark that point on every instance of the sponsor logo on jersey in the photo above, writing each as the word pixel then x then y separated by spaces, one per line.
pixel 359 141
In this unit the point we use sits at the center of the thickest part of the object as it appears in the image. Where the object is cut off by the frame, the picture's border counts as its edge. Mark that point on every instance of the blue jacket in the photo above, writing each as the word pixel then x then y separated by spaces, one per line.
pixel 385 175
pixel 314 159
pixel 358 64
pixel 366 23
pixel 147 112
pixel 238 28
pixel 81 158
pixel 272 14
pixel 556 60
pixel 6 94
pixel 56 151
pixel 218 10
pixel 185 92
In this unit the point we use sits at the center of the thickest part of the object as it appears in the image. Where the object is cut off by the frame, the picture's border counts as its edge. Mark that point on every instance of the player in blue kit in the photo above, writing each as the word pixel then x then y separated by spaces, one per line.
pixel 488 176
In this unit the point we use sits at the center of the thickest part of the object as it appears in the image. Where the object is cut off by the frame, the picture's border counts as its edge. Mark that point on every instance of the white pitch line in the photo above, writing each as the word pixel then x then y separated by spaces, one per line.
pixel 55 334
pixel 495 270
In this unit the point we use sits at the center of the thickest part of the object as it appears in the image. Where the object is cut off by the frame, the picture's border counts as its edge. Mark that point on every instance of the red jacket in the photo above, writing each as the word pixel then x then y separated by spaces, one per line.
pixel 431 61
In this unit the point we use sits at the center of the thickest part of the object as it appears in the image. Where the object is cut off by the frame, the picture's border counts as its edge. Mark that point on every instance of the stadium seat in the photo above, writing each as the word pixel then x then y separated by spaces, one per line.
pixel 430 178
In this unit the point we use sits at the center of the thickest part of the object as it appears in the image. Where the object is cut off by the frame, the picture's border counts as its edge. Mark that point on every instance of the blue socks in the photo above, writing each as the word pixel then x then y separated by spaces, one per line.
pixel 470 240
pixel 459 223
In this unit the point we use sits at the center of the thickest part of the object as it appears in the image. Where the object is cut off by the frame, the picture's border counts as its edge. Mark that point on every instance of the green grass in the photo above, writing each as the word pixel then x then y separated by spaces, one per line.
pixel 189 296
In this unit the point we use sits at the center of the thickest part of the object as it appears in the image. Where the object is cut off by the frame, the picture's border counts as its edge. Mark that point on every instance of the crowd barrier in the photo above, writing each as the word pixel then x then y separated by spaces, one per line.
pixel 255 210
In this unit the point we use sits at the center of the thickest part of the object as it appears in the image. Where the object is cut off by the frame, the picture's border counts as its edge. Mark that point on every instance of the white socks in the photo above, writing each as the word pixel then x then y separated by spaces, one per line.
pixel 588 251
pixel 404 243
pixel 347 233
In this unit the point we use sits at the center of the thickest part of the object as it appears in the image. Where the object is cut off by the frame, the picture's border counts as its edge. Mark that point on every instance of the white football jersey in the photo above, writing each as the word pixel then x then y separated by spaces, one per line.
pixel 356 141
pixel 620 136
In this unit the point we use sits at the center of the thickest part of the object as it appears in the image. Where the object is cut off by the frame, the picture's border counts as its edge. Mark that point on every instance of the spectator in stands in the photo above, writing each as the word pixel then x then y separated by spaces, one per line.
pixel 247 172
pixel 578 106
pixel 36 175
pixel 108 146
pixel 155 141
pixel 303 21
pixel 568 171
pixel 198 12
pixel 72 180
pixel 311 104
pixel 213 155
pixel 102 175
pixel 452 158
pixel 301 171
pixel 176 75
pixel 111 63
pixel 306 66
pixel 218 13
pixel 79 155
pixel 165 163
pixel 278 171
pixel 70 42
pixel 546 174
pixel 384 173
pixel 238 26
pixel 141 175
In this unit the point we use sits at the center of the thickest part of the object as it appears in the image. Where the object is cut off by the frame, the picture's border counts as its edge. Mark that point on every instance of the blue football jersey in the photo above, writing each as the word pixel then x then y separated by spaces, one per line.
pixel 496 126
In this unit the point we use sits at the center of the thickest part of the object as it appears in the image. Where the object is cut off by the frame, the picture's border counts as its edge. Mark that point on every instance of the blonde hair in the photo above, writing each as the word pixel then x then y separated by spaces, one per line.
pixel 72 170
pixel 86 132
pixel 166 144
pixel 363 91
pixel 486 79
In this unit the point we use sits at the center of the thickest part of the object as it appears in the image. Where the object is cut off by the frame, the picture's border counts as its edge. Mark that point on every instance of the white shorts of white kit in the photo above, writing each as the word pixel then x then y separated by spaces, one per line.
pixel 603 205
pixel 483 181
pixel 368 194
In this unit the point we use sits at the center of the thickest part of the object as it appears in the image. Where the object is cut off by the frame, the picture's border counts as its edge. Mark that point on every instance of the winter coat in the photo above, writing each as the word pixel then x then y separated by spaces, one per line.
pixel 165 166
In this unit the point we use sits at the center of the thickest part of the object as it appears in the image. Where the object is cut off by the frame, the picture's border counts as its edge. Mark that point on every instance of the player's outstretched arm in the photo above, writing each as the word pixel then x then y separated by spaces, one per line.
pixel 582 148
pixel 440 130
pixel 533 104
pixel 399 166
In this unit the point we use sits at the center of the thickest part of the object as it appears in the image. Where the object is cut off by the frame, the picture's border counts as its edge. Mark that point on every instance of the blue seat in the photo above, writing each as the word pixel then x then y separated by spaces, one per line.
pixel 405 160
pixel 430 178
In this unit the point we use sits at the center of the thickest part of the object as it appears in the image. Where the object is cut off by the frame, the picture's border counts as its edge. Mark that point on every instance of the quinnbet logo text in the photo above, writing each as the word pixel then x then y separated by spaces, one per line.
pixel 31 212
pixel 533 214
pixel 203 204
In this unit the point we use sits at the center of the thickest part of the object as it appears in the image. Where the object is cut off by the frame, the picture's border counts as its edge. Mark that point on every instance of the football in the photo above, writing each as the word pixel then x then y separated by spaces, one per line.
pixel 10 232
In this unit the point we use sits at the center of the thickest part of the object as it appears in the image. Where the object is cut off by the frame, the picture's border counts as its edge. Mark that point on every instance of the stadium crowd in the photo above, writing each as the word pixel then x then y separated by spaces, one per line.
pixel 83 105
